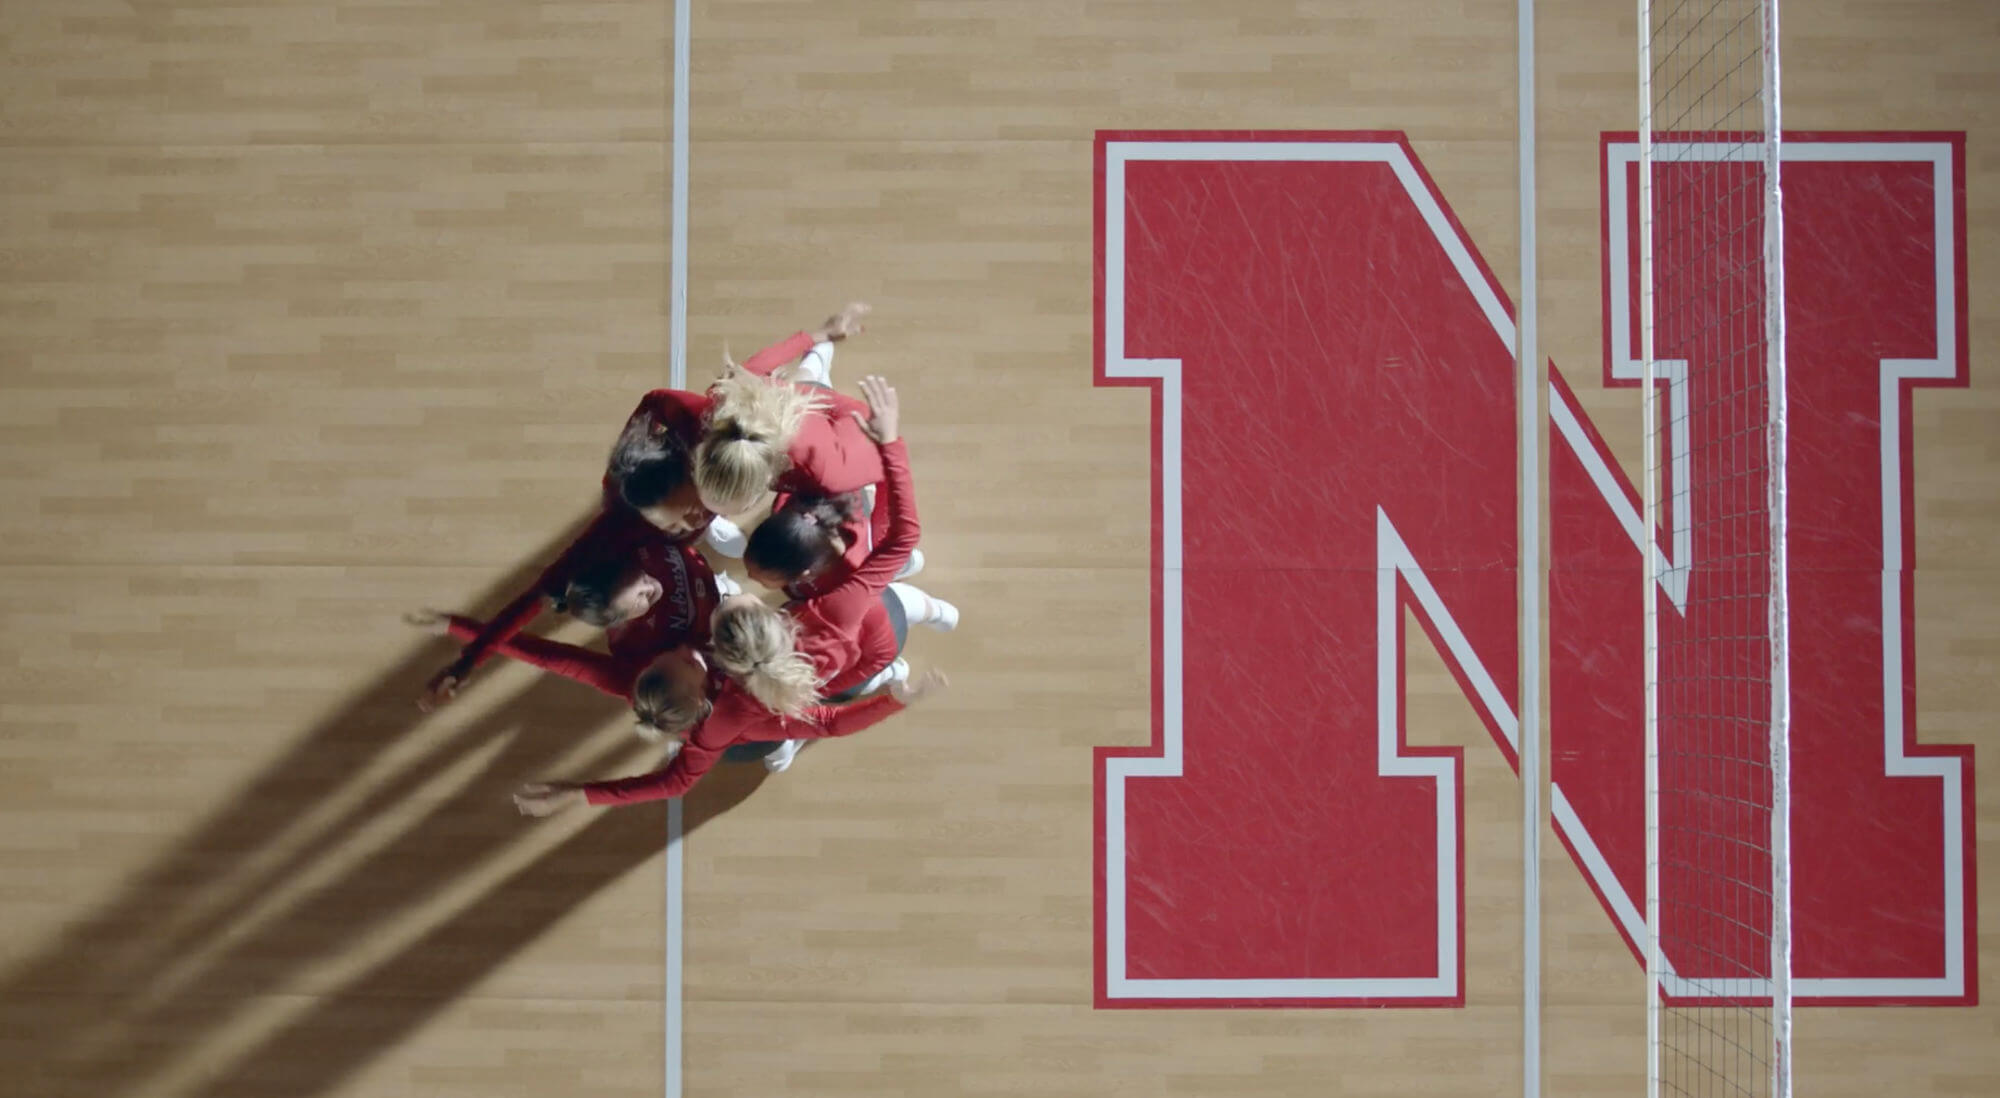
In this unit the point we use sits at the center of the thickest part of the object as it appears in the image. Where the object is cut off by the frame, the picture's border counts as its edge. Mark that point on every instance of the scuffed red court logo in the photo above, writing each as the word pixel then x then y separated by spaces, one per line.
pixel 1331 369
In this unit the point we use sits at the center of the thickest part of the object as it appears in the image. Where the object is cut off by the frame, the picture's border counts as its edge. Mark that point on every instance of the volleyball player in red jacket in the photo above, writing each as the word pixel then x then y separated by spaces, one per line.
pixel 843 640
pixel 808 550
pixel 834 563
pixel 663 600
pixel 735 719
pixel 751 433
pixel 761 436
pixel 680 690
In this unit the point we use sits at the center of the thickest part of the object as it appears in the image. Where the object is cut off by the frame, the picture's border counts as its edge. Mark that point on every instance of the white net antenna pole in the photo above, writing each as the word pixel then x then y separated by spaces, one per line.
pixel 1649 509
pixel 1780 599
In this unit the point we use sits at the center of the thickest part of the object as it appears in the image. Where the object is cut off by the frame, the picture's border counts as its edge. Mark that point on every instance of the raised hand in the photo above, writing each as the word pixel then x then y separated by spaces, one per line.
pixel 885 412
pixel 846 322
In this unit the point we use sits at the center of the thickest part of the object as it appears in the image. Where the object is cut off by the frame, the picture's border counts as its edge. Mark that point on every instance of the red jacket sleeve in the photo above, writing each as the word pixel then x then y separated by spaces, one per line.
pixel 704 747
pixel 672 780
pixel 899 494
pixel 738 717
pixel 585 665
pixel 819 721
pixel 782 353
pixel 676 412
pixel 524 609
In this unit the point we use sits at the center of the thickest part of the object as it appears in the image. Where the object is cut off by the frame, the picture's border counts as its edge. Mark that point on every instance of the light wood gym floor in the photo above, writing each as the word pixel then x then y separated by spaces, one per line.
pixel 319 311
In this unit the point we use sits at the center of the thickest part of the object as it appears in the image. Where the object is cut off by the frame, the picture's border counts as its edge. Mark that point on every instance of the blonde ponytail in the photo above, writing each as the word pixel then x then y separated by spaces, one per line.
pixel 749 430
pixel 758 647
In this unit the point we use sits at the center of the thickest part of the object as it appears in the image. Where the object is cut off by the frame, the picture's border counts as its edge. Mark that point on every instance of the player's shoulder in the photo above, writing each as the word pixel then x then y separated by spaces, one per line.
pixel 673 405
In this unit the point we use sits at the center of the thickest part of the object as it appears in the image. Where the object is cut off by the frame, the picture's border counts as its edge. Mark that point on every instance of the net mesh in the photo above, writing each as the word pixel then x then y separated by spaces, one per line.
pixel 1718 639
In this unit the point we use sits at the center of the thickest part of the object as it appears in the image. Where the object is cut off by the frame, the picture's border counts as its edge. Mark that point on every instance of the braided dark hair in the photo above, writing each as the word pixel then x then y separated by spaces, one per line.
pixel 803 536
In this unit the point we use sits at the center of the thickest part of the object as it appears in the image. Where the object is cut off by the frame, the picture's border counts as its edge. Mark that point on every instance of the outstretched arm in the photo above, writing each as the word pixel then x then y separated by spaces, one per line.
pixel 585 665
pixel 673 780
pixel 899 494
pixel 732 722
pixel 518 614
pixel 819 722
pixel 713 738
pixel 839 326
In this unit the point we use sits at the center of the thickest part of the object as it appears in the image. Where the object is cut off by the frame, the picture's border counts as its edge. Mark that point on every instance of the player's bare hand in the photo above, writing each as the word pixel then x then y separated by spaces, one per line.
pixel 846 322
pixel 547 798
pixel 927 685
pixel 441 689
pixel 885 411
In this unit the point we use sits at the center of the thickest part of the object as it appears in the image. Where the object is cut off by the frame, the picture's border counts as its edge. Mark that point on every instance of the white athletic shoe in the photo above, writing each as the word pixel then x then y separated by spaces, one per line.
pixel 947 619
pixel 727 538
pixel 778 760
pixel 816 367
pixel 726 585
pixel 897 671
pixel 912 566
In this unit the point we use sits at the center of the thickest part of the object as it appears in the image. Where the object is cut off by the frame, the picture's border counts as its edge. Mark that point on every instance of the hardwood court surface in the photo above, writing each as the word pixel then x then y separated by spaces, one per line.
pixel 319 312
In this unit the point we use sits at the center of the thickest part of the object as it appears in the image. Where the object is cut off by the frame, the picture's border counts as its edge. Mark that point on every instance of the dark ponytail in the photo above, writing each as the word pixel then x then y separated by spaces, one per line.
pixel 647 464
pixel 802 537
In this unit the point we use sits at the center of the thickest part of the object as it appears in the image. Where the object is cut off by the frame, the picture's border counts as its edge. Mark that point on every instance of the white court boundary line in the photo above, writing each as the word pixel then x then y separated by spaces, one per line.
pixel 1394 561
pixel 676 859
pixel 1528 754
pixel 1626 364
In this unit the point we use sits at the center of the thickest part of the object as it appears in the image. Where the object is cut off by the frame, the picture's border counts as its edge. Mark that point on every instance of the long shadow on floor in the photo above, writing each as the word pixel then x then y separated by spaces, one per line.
pixel 258 902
